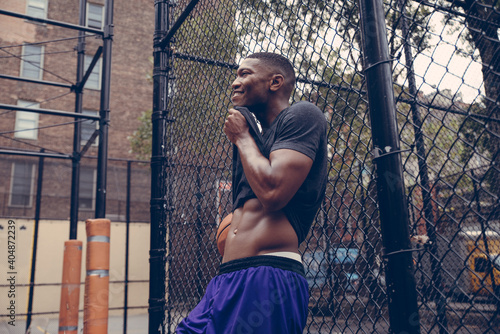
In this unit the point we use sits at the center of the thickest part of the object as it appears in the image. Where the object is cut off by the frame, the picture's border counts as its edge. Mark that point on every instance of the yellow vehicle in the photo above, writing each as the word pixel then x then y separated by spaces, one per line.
pixel 485 268
pixel 484 262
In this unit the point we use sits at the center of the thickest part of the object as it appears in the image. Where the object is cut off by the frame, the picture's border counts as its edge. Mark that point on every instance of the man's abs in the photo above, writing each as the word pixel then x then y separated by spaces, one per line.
pixel 255 231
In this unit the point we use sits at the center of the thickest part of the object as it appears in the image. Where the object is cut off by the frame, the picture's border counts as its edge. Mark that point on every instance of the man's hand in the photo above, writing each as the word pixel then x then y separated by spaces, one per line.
pixel 235 126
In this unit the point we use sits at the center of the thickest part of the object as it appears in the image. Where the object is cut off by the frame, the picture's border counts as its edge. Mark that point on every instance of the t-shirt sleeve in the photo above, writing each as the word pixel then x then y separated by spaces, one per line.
pixel 301 129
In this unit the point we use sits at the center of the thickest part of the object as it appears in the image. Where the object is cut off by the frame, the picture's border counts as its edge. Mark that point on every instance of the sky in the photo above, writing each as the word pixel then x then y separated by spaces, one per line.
pixel 442 67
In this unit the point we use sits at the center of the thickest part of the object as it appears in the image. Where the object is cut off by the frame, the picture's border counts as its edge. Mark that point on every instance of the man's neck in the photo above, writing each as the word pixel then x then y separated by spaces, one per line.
pixel 267 114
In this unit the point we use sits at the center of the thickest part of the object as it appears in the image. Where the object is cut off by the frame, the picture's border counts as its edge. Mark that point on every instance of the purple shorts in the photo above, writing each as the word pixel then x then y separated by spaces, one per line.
pixel 261 294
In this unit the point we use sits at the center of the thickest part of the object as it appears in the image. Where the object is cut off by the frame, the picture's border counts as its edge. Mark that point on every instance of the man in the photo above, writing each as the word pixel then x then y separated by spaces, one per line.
pixel 279 181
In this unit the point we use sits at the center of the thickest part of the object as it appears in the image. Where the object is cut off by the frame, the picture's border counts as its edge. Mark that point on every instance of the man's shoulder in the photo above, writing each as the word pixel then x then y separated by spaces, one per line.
pixel 307 109
pixel 304 111
pixel 305 106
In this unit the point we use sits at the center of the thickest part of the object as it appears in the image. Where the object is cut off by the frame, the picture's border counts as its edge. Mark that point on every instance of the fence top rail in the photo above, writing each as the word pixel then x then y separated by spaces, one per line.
pixel 52 22
pixel 36 154
pixel 50 112
pixel 41 82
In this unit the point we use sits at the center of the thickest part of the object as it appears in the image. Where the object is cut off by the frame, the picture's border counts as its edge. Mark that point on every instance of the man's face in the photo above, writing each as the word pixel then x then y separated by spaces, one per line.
pixel 251 86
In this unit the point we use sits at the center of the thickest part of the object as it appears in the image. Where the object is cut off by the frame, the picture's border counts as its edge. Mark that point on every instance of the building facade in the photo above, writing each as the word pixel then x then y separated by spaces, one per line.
pixel 42 51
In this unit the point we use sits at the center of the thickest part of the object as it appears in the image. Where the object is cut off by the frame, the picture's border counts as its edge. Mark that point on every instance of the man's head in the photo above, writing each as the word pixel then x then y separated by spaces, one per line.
pixel 279 64
pixel 263 76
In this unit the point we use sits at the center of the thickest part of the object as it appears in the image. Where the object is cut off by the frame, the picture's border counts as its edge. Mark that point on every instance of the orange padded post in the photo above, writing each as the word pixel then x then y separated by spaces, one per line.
pixel 95 312
pixel 70 287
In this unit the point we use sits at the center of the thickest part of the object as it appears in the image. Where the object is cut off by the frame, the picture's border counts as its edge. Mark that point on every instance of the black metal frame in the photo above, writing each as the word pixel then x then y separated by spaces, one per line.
pixel 103 118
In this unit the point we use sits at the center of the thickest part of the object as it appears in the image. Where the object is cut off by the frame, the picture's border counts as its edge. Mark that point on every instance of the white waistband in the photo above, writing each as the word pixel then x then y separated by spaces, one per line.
pixel 290 255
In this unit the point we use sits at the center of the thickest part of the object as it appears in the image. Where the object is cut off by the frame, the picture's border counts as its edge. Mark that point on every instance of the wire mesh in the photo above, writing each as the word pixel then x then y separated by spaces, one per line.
pixel 18 200
pixel 446 72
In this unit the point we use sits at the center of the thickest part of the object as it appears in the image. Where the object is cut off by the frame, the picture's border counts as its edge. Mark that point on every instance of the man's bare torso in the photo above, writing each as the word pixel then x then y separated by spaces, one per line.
pixel 255 231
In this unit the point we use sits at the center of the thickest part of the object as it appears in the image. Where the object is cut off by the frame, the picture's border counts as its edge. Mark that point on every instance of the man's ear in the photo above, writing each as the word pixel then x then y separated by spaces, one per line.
pixel 277 82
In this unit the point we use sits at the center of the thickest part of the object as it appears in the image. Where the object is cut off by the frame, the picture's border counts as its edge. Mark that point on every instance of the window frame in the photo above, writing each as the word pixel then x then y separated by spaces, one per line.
pixel 24 134
pixel 24 60
pixel 84 123
pixel 88 12
pixel 32 184
pixel 44 8
pixel 97 67
pixel 94 181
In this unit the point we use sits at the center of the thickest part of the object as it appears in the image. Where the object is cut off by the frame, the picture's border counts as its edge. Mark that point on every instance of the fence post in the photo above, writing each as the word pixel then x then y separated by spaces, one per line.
pixel 426 187
pixel 35 239
pixel 394 219
pixel 102 161
pixel 127 246
pixel 199 233
pixel 77 132
pixel 160 202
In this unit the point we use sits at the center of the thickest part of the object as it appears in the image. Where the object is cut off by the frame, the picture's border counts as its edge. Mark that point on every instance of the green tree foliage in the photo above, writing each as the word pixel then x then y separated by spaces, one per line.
pixel 482 17
pixel 202 88
pixel 140 140
pixel 199 88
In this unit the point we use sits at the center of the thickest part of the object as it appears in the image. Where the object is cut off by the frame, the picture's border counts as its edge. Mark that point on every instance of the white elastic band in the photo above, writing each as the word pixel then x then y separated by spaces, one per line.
pixel 290 255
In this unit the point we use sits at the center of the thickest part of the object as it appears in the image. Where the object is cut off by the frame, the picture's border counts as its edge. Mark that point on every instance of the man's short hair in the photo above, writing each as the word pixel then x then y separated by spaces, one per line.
pixel 279 62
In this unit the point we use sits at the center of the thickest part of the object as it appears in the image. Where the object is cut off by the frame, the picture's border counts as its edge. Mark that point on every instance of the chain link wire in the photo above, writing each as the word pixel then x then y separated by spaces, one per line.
pixel 446 69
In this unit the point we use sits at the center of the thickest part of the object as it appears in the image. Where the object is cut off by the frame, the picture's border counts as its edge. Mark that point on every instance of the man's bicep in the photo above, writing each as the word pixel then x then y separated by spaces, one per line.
pixel 290 169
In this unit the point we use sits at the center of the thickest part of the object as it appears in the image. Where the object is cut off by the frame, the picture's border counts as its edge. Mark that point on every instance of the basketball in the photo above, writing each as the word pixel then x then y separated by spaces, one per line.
pixel 222 231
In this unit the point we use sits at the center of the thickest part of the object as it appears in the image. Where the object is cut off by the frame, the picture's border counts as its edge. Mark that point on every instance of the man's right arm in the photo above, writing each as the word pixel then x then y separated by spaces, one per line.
pixel 275 180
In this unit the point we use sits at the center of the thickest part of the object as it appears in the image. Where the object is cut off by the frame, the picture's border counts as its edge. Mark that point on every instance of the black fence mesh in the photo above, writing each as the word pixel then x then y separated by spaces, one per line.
pixel 446 71
pixel 19 199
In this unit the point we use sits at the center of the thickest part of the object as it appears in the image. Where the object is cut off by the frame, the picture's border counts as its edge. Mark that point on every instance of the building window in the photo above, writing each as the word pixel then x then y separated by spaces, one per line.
pixel 32 63
pixel 94 80
pixel 88 128
pixel 37 8
pixel 87 188
pixel 22 184
pixel 26 122
pixel 95 15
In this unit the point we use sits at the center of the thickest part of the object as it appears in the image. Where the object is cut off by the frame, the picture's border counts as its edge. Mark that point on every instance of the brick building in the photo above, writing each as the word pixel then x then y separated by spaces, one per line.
pixel 42 51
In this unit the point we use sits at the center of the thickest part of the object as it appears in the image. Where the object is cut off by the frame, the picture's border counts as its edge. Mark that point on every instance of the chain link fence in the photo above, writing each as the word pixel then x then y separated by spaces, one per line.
pixel 35 198
pixel 445 59
pixel 19 199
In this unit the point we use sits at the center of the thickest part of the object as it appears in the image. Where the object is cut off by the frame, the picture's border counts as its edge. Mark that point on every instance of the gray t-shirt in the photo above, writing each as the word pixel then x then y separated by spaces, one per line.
pixel 301 127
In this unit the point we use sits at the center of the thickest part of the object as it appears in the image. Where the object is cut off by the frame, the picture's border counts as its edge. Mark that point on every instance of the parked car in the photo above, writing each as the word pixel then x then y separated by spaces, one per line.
pixel 342 268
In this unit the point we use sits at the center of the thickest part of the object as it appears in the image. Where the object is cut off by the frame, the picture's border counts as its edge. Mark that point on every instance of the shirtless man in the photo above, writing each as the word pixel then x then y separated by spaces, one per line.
pixel 279 181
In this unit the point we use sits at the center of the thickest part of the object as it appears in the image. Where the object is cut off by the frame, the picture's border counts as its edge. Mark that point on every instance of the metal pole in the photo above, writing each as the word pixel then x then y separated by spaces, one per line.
pixel 35 81
pixel 160 163
pixel 327 255
pixel 166 39
pixel 36 154
pixel 394 219
pixel 199 234
pixel 127 244
pixel 48 112
pixel 367 229
pixel 436 280
pixel 35 240
pixel 102 161
pixel 75 172
pixel 51 22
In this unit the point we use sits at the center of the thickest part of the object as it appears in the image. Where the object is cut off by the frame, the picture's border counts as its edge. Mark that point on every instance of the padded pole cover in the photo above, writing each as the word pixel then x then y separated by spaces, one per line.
pixel 95 313
pixel 70 287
